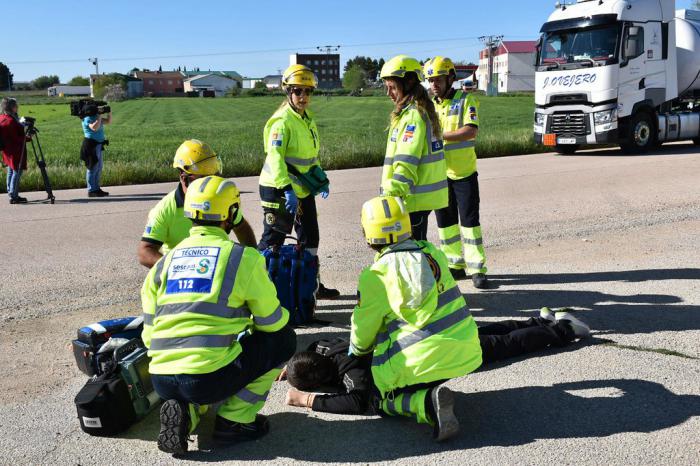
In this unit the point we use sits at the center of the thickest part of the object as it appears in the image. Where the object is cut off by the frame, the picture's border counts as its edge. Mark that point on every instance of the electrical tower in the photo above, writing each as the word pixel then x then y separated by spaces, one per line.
pixel 94 62
pixel 492 43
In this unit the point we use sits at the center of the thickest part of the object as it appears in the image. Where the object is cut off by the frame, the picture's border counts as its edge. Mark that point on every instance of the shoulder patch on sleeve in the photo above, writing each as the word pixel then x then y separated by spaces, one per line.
pixel 408 133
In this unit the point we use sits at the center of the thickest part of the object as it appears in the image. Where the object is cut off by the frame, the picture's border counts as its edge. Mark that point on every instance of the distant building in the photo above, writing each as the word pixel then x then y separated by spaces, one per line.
pixel 326 67
pixel 229 74
pixel 273 81
pixel 216 83
pixel 249 83
pixel 513 68
pixel 161 83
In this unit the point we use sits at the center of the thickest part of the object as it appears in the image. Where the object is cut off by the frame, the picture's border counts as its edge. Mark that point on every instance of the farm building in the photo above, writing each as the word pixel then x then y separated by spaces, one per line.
pixel 210 82
pixel 513 68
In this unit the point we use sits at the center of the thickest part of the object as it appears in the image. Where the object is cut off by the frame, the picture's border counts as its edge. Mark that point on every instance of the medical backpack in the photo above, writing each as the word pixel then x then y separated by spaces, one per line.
pixel 294 271
pixel 90 356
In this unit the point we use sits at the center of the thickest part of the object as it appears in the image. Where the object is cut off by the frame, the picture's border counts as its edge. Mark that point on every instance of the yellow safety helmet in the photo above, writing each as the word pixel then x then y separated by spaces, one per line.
pixel 398 66
pixel 438 66
pixel 210 198
pixel 299 75
pixel 197 158
pixel 385 220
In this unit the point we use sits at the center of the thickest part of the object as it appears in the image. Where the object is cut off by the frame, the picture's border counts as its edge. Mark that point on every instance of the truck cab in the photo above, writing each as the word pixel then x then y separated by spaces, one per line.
pixel 606 71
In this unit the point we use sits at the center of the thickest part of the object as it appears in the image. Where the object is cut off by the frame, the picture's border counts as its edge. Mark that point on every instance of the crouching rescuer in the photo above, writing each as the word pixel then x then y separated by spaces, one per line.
pixel 213 325
pixel 413 319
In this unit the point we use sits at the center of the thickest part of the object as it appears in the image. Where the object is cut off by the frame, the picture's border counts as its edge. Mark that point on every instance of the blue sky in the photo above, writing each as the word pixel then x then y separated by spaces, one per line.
pixel 253 38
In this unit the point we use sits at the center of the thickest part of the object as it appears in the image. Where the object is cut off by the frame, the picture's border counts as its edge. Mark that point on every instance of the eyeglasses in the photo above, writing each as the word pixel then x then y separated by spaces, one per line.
pixel 299 91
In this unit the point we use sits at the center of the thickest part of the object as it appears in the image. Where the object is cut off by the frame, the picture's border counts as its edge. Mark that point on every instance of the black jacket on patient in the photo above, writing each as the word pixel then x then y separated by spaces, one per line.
pixel 326 366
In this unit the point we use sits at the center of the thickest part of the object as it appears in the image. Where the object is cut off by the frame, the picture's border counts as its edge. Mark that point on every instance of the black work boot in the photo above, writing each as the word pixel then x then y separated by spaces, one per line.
pixel 446 423
pixel 326 293
pixel 479 281
pixel 226 431
pixel 458 274
pixel 174 427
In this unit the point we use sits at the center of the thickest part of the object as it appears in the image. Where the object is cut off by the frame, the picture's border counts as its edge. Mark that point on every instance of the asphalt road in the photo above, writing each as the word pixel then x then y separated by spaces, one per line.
pixel 614 236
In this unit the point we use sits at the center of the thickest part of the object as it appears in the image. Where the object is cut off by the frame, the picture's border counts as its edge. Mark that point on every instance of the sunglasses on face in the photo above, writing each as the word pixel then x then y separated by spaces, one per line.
pixel 299 91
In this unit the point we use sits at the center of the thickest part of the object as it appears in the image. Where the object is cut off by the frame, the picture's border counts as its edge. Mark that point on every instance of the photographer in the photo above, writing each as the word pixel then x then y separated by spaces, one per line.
pixel 93 145
pixel 14 153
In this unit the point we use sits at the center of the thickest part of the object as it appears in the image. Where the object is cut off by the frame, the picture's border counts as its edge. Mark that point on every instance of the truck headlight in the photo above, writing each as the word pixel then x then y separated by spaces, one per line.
pixel 606 116
pixel 539 119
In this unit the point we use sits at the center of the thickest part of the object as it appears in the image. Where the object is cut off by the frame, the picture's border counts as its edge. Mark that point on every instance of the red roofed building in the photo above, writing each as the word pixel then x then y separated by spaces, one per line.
pixel 161 83
pixel 513 66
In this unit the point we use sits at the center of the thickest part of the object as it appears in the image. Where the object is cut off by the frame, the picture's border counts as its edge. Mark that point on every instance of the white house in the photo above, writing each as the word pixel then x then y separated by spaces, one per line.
pixel 249 83
pixel 513 66
pixel 209 82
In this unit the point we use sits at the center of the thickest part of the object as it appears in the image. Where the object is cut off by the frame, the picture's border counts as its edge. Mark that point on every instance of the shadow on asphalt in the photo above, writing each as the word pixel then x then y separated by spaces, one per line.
pixel 512 417
pixel 115 198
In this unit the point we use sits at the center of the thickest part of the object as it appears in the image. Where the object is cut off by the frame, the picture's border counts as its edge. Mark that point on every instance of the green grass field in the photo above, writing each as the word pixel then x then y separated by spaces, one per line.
pixel 145 133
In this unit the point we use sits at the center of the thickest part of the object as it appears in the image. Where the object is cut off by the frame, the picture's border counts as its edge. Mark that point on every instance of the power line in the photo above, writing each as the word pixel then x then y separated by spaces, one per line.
pixel 238 52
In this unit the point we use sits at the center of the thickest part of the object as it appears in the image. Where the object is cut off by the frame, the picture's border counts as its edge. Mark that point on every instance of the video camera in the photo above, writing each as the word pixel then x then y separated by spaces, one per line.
pixel 27 122
pixel 88 107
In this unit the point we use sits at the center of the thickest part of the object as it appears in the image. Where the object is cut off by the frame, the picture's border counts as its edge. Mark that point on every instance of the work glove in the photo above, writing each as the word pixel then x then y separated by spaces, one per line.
pixel 290 201
pixel 325 191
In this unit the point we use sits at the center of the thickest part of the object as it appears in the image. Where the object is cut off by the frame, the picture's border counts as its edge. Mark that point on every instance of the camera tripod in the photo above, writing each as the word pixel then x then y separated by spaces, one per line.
pixel 32 131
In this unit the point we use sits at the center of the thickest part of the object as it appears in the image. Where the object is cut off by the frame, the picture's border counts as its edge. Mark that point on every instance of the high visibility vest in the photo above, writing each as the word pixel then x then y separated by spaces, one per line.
pixel 167 224
pixel 200 297
pixel 420 330
pixel 414 165
pixel 291 139
pixel 462 109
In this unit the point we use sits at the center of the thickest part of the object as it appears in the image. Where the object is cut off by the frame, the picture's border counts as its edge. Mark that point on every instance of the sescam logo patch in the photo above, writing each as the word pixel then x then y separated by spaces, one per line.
pixel 394 134
pixel 408 133
pixel 148 229
pixel 276 139
pixel 192 270
pixel 205 206
pixel 472 113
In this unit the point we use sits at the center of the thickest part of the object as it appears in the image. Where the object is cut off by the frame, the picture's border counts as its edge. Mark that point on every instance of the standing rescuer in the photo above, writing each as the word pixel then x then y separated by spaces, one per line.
pixel 213 325
pixel 414 166
pixel 292 174
pixel 413 319
pixel 167 224
pixel 458 223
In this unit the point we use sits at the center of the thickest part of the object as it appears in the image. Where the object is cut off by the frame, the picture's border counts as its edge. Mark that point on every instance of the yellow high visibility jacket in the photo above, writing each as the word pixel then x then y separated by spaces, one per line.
pixel 414 166
pixel 462 109
pixel 293 139
pixel 200 297
pixel 413 317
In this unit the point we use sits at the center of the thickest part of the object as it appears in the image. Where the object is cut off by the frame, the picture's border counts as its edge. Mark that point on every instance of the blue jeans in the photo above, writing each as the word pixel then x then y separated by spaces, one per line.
pixel 261 352
pixel 13 177
pixel 94 174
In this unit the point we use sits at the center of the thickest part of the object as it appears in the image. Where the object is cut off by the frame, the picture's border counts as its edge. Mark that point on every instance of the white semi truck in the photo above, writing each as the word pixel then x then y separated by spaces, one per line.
pixel 621 72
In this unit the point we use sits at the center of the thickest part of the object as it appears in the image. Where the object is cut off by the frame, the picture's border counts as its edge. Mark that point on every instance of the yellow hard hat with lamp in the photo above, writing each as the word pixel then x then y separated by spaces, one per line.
pixel 299 75
pixel 385 220
pixel 398 66
pixel 210 198
pixel 197 158
pixel 438 66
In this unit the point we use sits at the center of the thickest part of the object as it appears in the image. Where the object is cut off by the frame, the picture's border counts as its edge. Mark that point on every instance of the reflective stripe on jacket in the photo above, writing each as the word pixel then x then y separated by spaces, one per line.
pixel 413 317
pixel 414 166
pixel 289 138
pixel 462 109
pixel 200 297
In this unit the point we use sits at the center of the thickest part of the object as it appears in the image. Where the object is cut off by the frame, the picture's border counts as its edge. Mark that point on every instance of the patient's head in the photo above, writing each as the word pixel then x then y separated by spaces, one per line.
pixel 308 370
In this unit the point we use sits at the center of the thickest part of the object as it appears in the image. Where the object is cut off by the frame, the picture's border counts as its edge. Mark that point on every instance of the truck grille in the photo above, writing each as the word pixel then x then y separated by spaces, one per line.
pixel 574 123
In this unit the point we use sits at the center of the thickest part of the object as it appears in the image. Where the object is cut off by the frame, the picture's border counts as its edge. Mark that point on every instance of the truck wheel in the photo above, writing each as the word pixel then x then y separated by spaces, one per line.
pixel 697 141
pixel 567 149
pixel 640 135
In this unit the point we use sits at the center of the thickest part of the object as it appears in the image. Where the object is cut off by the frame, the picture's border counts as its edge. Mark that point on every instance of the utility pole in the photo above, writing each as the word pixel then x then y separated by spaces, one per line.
pixel 492 43
pixel 94 62
pixel 328 49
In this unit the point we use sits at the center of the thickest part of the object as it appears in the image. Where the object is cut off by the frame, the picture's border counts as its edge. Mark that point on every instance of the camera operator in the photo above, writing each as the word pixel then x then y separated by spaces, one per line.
pixel 91 151
pixel 14 151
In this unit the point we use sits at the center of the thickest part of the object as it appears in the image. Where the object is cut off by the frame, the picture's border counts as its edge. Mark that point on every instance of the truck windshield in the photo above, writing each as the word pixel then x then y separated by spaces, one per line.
pixel 583 47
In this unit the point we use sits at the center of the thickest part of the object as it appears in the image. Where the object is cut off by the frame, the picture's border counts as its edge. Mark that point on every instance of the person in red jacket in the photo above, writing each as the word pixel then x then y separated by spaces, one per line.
pixel 14 153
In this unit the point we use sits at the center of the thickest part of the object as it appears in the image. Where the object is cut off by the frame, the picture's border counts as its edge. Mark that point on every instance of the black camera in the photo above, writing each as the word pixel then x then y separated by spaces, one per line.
pixel 27 121
pixel 88 107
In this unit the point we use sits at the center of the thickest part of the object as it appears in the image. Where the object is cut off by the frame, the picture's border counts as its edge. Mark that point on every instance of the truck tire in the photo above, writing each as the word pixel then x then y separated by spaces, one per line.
pixel 640 135
pixel 696 141
pixel 567 149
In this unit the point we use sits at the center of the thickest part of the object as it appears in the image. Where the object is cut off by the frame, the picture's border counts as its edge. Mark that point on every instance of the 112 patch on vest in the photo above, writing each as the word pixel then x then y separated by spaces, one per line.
pixel 408 133
pixel 192 270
